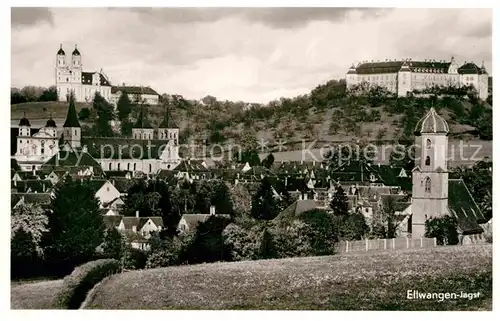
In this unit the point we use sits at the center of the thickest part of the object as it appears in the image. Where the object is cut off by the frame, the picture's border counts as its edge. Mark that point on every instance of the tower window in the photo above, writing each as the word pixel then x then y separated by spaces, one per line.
pixel 429 144
pixel 427 184
pixel 427 161
pixel 109 167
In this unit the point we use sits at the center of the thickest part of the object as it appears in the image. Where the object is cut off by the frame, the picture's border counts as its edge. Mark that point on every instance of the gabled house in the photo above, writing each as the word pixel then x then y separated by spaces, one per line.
pixel 190 222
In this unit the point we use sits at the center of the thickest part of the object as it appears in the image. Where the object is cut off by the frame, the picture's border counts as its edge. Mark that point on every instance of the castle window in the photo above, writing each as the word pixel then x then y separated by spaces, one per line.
pixel 150 168
pixel 109 167
pixel 429 144
pixel 118 166
pixel 427 161
pixel 67 79
pixel 427 184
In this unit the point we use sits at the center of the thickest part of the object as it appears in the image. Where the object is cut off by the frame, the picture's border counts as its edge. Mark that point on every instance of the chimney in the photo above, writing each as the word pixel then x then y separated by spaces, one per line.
pixel 212 210
pixel 15 182
pixel 137 214
pixel 113 182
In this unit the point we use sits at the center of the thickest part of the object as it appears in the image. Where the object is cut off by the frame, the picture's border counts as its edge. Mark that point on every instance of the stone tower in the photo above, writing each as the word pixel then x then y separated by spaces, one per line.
pixel 169 132
pixel 430 175
pixel 72 131
pixel 404 79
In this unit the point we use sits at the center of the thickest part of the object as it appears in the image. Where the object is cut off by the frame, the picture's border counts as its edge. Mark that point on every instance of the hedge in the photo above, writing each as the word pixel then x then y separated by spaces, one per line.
pixel 82 280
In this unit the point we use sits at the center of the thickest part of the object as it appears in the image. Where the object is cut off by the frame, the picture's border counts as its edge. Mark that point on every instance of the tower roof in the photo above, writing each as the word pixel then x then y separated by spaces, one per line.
pixel 432 123
pixel 142 121
pixel 167 122
pixel 71 118
pixel 24 121
pixel 61 51
pixel 50 122
pixel 76 52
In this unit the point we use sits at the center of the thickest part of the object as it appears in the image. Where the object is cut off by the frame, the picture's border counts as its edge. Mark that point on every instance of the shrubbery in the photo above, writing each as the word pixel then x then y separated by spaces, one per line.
pixel 82 280
pixel 444 229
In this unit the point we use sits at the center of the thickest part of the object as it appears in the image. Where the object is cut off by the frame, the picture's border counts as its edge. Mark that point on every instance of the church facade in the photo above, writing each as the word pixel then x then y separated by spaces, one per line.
pixel 405 76
pixel 70 77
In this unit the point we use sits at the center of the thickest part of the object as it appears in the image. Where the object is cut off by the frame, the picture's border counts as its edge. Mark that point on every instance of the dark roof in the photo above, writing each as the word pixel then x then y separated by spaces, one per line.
pixel 61 51
pixel 76 52
pixel 14 199
pixel 142 121
pixel 191 166
pixel 71 117
pixel 356 171
pixel 471 68
pixel 139 222
pixel 32 186
pixel 298 207
pixel 134 90
pixel 167 122
pixel 395 66
pixel 123 184
pixel 35 198
pixel 24 122
pixel 65 160
pixel 87 78
pixel 50 123
pixel 110 147
pixel 463 207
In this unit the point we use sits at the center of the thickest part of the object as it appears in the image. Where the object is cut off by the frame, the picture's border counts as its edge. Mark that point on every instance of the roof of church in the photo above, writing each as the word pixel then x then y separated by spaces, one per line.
pixel 24 122
pixel 142 121
pixel 66 159
pixel 134 90
pixel 432 123
pixel 463 207
pixel 50 122
pixel 123 148
pixel 61 51
pixel 87 79
pixel 71 117
pixel 167 122
pixel 76 52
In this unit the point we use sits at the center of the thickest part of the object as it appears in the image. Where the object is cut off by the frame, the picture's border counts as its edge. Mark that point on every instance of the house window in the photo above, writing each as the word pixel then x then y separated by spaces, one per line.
pixel 427 161
pixel 427 184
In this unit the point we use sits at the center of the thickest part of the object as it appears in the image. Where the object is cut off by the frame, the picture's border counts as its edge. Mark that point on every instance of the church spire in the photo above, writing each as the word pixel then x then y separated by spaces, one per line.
pixel 167 120
pixel 71 118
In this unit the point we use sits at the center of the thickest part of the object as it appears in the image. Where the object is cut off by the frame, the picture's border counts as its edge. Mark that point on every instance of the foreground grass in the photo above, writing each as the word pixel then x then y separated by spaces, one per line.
pixel 364 281
pixel 34 295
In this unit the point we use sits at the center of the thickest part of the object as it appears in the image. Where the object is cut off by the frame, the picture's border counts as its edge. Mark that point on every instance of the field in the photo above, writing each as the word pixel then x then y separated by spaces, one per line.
pixel 352 281
pixel 34 295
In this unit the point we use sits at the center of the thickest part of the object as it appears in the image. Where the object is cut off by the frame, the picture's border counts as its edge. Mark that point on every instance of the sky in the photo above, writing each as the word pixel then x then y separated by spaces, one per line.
pixel 239 54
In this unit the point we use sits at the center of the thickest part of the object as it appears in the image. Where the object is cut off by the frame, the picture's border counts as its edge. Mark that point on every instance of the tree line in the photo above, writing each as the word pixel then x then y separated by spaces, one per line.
pixel 32 94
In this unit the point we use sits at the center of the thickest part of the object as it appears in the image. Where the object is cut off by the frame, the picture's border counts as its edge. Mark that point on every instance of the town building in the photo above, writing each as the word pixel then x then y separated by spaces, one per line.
pixel 403 76
pixel 136 94
pixel 70 77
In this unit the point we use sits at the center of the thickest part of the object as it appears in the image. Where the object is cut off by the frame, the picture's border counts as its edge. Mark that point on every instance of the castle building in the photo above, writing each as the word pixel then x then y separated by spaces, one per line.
pixel 70 77
pixel 405 76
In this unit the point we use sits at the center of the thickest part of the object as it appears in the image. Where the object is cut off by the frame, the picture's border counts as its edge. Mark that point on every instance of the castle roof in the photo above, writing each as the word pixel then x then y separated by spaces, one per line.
pixel 167 122
pixel 470 68
pixel 432 123
pixel 71 118
pixel 385 67
pixel 134 90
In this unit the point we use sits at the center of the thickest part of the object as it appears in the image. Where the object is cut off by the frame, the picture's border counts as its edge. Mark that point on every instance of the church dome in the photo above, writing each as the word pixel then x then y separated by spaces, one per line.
pixel 50 123
pixel 24 122
pixel 61 51
pixel 76 52
pixel 432 123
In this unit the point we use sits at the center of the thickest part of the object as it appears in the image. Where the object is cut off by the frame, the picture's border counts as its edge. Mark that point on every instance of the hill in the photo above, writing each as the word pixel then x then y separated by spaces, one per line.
pixel 328 113
pixel 351 281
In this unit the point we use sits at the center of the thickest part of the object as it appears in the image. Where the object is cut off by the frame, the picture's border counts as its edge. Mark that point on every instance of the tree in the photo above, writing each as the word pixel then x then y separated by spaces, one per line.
pixel 31 219
pixel 268 161
pixel 402 157
pixel 322 231
pixel 126 127
pixel 50 94
pixel 267 249
pixel 84 113
pixel 16 96
pixel 339 203
pixel 444 229
pixel 104 115
pixel 124 106
pixel 75 223
pixel 264 204
pixel 389 215
pixel 351 227
pixel 114 245
pixel 241 198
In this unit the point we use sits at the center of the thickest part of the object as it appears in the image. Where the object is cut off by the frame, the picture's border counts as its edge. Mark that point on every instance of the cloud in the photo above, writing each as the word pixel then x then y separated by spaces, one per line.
pixel 243 54
pixel 30 16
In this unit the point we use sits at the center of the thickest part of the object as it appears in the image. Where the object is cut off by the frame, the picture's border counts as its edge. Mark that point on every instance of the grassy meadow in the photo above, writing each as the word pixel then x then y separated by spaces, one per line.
pixel 352 281
pixel 34 295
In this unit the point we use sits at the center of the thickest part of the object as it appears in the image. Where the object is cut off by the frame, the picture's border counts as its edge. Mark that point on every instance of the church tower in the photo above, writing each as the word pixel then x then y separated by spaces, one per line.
pixel 72 131
pixel 168 131
pixel 430 175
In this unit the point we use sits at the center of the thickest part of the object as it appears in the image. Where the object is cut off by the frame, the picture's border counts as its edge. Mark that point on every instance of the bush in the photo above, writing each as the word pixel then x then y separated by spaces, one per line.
pixel 82 280
pixel 84 113
pixel 242 243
